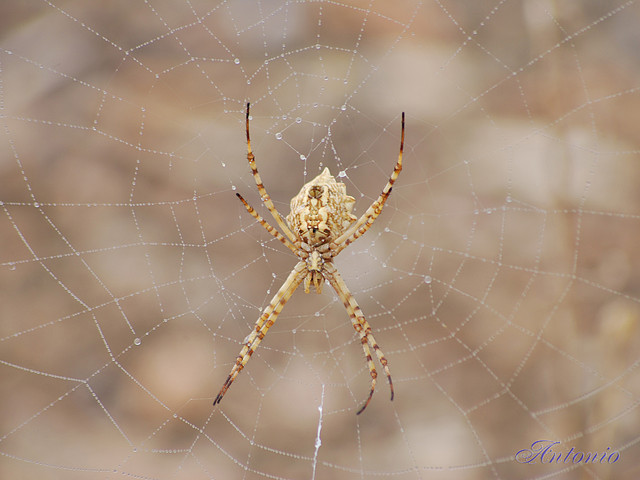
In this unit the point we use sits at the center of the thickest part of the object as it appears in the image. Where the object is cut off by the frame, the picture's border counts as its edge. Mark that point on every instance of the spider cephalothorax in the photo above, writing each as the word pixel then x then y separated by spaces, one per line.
pixel 320 226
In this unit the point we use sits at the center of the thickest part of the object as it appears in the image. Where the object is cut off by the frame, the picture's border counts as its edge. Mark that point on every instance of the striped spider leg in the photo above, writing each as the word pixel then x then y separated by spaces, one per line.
pixel 319 226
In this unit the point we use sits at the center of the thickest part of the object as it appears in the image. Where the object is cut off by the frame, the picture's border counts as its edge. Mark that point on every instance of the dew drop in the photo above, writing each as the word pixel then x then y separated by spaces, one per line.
pixel 342 174
pixel 298 120
pixel 303 157
pixel 236 61
pixel 427 279
pixel 137 341
pixel 279 136
pixel 343 108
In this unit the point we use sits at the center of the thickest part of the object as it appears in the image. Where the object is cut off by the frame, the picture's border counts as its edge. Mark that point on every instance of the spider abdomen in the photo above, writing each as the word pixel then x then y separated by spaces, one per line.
pixel 322 210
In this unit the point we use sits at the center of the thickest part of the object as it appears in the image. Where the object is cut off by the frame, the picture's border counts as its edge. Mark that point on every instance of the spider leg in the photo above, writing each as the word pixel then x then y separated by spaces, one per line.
pixel 361 326
pixel 356 230
pixel 266 225
pixel 266 199
pixel 266 320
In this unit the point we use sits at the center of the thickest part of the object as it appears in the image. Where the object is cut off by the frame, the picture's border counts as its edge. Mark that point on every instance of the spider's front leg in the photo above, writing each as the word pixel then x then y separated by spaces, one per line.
pixel 266 320
pixel 361 326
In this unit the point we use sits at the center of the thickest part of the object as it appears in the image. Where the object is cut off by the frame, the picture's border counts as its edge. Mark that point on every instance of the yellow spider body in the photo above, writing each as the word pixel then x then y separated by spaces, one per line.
pixel 319 226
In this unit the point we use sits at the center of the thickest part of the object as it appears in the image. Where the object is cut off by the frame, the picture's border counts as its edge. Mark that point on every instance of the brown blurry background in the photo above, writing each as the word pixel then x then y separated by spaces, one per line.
pixel 501 280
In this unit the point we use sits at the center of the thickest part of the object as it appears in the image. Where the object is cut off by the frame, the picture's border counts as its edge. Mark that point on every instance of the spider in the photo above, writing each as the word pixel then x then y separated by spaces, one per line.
pixel 318 228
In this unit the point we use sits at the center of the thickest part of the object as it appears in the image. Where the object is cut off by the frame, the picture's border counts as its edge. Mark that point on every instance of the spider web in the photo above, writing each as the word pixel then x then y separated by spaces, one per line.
pixel 501 280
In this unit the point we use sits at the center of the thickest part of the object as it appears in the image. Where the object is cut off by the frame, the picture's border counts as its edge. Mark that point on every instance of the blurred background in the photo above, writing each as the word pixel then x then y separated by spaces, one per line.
pixel 501 280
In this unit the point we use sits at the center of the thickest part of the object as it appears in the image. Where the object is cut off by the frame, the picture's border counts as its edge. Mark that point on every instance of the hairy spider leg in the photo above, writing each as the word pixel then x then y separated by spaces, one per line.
pixel 363 224
pixel 266 199
pixel 273 231
pixel 264 323
pixel 361 326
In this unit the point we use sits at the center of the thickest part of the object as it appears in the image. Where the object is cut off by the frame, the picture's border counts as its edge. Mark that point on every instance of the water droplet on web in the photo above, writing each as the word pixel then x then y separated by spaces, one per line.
pixel 279 136
pixel 303 157
pixel 236 61
pixel 317 314
pixel 233 187
pixel 137 341
pixel 36 204
pixel 298 120
pixel 343 108
pixel 342 174
pixel 12 266
pixel 427 279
